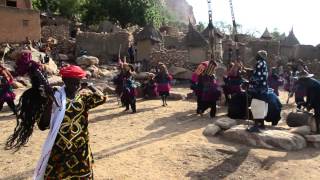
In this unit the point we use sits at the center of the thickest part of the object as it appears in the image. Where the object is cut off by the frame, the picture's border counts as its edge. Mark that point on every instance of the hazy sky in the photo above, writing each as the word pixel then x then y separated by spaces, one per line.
pixel 302 15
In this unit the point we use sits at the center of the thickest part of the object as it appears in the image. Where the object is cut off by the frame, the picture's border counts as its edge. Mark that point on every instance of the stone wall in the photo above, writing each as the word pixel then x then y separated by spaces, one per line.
pixel 307 52
pixel 173 42
pixel 197 55
pixel 272 47
pixel 103 46
pixel 17 24
pixel 178 58
pixel 60 32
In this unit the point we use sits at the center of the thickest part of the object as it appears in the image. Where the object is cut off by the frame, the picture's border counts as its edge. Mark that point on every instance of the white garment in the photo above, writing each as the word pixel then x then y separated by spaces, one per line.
pixel 259 109
pixel 57 116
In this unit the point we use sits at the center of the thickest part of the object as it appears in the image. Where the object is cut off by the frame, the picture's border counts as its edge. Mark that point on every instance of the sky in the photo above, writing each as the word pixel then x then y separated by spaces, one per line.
pixel 256 15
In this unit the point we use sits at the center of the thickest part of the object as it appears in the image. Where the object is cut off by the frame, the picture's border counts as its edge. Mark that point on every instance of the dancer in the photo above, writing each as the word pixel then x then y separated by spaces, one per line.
pixel 312 87
pixel 129 91
pixel 275 81
pixel 163 80
pixel 6 91
pixel 66 153
pixel 195 82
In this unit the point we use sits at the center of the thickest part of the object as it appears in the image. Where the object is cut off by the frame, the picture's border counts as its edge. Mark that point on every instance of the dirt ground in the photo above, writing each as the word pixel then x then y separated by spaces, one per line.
pixel 162 143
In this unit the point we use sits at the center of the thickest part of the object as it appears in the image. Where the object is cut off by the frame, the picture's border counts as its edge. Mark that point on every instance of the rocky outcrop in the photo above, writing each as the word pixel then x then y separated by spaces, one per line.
pixel 181 9
pixel 267 139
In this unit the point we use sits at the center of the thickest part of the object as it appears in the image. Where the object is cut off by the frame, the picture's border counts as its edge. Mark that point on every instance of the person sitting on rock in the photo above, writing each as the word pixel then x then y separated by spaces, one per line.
pixel 163 80
pixel 312 87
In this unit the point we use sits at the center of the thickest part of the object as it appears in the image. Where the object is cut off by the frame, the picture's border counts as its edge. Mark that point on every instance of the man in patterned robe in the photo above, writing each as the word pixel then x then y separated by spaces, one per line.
pixel 66 153
pixel 259 87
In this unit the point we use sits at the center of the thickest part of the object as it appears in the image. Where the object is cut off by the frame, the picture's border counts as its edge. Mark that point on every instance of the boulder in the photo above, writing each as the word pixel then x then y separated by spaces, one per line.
pixel 177 96
pixel 302 130
pixel 184 75
pixel 24 80
pixel 142 75
pixel 63 57
pixel 88 74
pixel 315 145
pixel 296 119
pixel 105 73
pixel 87 60
pixel 266 139
pixel 17 85
pixel 55 81
pixel 173 70
pixel 312 124
pixel 313 138
pixel 211 130
pixel 51 67
pixel 226 123
pixel 94 70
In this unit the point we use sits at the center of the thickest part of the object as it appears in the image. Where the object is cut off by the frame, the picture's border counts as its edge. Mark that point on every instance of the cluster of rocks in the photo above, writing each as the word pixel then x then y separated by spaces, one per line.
pixel 91 65
pixel 60 32
pixel 295 138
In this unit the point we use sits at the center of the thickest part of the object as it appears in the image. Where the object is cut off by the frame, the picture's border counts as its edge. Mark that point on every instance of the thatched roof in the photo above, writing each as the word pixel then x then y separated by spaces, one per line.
pixel 266 35
pixel 149 32
pixel 291 40
pixel 218 33
pixel 194 38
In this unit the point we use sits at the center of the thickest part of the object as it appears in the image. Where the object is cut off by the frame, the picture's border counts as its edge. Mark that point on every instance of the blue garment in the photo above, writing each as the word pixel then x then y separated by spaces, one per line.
pixel 274 108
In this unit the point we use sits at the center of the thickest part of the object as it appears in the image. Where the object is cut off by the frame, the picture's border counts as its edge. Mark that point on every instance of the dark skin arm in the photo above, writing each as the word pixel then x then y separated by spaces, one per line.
pixel 44 122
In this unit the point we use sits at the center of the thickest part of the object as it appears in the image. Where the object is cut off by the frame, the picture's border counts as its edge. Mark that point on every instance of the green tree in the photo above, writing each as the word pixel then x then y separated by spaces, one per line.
pixel 200 26
pixel 125 12
pixel 275 34
pixel 66 8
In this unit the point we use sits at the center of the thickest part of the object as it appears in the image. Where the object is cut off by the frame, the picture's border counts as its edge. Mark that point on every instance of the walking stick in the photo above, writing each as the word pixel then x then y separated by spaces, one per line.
pixel 119 61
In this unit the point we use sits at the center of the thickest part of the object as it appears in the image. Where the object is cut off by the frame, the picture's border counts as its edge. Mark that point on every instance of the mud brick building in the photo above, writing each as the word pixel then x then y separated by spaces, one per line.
pixel 18 21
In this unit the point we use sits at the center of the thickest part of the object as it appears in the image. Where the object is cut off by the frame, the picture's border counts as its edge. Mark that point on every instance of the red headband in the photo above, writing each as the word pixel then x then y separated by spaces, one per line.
pixel 72 72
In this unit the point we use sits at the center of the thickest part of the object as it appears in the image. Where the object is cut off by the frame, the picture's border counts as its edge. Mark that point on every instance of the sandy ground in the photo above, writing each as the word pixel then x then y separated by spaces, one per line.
pixel 162 143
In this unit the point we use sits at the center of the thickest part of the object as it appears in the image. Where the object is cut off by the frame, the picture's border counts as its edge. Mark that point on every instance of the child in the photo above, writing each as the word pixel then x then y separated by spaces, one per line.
pixel 129 92
pixel 209 93
pixel 6 91
pixel 150 87
pixel 163 80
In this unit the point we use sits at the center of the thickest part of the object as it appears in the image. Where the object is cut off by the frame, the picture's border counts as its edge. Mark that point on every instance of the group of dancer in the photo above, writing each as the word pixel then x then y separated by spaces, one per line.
pixel 66 153
pixel 158 84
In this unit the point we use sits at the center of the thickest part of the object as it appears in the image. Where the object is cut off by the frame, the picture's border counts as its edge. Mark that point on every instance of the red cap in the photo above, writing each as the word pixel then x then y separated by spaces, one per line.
pixel 72 71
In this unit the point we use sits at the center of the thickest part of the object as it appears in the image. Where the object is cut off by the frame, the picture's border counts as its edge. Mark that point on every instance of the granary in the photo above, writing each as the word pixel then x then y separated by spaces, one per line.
pixel 266 35
pixel 147 40
pixel 18 21
pixel 218 37
pixel 291 39
pixel 288 45
pixel 197 45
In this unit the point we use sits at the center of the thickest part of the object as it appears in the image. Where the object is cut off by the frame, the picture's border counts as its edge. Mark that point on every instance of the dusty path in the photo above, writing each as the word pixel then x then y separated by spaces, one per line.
pixel 162 143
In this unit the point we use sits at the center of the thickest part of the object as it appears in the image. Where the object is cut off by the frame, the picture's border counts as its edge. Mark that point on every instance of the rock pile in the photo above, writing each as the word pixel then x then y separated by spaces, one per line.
pixel 60 32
